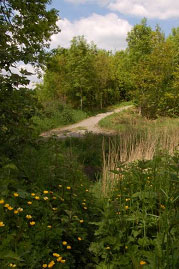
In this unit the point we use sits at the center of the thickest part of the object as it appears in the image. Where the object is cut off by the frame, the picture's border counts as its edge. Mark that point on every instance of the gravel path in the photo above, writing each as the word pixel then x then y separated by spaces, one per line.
pixel 82 127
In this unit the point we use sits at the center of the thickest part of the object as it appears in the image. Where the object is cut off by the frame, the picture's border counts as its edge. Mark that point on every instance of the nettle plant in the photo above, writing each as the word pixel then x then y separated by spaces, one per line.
pixel 138 226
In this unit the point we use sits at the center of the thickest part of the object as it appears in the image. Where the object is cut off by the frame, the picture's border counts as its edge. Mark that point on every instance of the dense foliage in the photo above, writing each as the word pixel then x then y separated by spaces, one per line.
pixel 26 27
pixel 91 78
pixel 50 217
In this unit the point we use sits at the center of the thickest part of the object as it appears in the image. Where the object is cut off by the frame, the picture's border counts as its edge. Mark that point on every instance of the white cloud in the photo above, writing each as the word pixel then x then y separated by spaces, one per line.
pixel 108 32
pixel 161 9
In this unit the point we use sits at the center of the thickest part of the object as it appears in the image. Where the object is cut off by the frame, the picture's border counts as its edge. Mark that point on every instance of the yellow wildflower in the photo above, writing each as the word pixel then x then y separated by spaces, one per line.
pixel 20 209
pixel 59 259
pixel 6 205
pixel 49 226
pixel 79 238
pixel 68 247
pixel 126 207
pixel 54 198
pixel 16 194
pixel 83 203
pixel 16 211
pixel 85 207
pixel 45 198
pixel 68 188
pixel 10 208
pixel 37 197
pixel 32 223
pixel 33 194
pixel 2 224
pixel 63 261
pixel 142 262
pixel 107 247
pixel 12 265
pixel 81 220
pixel 56 255
pixel 54 208
pixel 87 190
pixel 51 264
pixel 162 206
pixel 64 243
pixel 45 192
pixel 60 186
pixel 28 216
pixel 29 202
pixel 1 201
pixel 127 199
pixel 126 247
pixel 44 265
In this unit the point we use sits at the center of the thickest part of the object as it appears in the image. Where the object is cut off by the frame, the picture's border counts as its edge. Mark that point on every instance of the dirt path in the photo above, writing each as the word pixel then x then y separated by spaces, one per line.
pixel 80 128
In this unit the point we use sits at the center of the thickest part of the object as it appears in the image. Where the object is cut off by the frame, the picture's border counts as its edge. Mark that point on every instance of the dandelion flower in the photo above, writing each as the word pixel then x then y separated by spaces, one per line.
pixel 45 192
pixel 56 255
pixel 2 224
pixel 142 262
pixel 44 265
pixel 33 194
pixel 1 201
pixel 81 220
pixel 49 226
pixel 29 202
pixel 37 198
pixel 79 239
pixel 68 188
pixel 85 207
pixel 32 223
pixel 45 198
pixel 68 247
pixel 162 206
pixel 64 243
pixel 51 264
pixel 59 259
pixel 16 194
pixel 16 211
pixel 10 208
pixel 28 216
pixel 6 205
pixel 63 261
pixel 126 207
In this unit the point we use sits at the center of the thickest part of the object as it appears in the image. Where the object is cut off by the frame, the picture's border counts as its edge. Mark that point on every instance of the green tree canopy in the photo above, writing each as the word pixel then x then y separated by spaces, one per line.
pixel 26 27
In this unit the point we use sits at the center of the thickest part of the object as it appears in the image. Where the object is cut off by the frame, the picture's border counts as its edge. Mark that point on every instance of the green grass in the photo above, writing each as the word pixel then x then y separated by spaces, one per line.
pixel 57 118
pixel 130 119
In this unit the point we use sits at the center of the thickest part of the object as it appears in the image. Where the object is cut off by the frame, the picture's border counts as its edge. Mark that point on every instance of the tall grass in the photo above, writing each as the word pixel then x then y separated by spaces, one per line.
pixel 138 139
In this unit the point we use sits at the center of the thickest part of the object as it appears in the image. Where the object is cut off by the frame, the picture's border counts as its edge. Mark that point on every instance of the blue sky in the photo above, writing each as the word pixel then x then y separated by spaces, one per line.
pixel 106 22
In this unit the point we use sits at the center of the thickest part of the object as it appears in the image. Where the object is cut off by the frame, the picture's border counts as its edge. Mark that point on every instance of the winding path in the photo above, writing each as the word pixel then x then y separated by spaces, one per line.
pixel 88 125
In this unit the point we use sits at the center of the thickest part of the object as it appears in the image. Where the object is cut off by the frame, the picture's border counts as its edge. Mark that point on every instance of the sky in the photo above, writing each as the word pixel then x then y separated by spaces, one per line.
pixel 107 22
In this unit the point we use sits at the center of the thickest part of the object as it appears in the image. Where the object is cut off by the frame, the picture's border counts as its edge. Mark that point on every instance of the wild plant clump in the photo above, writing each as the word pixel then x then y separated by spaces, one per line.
pixel 139 223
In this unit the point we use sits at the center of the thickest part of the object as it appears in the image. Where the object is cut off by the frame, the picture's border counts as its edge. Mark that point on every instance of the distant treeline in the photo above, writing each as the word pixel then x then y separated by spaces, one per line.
pixel 90 78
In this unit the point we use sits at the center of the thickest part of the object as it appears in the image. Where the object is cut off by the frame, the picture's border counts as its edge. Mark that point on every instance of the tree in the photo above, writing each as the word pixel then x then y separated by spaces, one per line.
pixel 139 41
pixel 26 27
pixel 81 72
